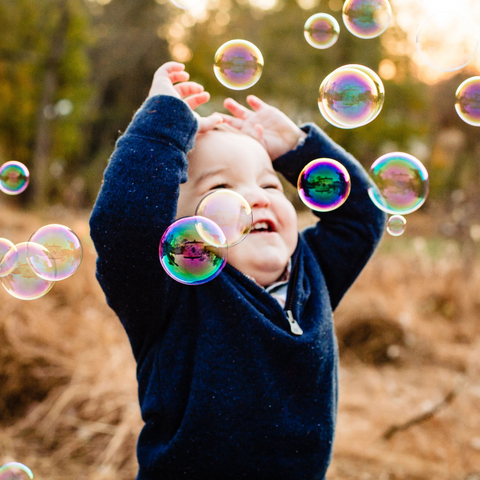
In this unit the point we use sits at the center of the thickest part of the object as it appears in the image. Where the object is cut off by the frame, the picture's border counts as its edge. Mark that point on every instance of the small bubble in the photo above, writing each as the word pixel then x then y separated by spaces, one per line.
pixel 238 64
pixel 447 41
pixel 14 178
pixel 468 101
pixel 22 282
pixel 186 256
pixel 324 185
pixel 351 96
pixel 64 246
pixel 396 225
pixel 399 183
pixel 15 471
pixel 230 211
pixel 366 18
pixel 321 30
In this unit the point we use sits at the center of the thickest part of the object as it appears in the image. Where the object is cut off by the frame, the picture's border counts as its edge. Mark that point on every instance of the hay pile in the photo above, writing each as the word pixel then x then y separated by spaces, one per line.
pixel 408 332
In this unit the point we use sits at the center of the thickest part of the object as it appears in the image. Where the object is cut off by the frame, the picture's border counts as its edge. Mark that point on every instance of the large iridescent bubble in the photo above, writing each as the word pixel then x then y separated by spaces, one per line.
pixel 64 246
pixel 230 211
pixel 324 185
pixel 467 102
pixel 351 96
pixel 366 18
pixel 321 30
pixel 238 64
pixel 447 41
pixel 188 253
pixel 22 282
pixel 15 471
pixel 14 178
pixel 399 183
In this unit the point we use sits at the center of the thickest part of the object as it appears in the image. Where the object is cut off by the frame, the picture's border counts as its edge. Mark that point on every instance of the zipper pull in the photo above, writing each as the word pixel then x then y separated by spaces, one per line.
pixel 294 326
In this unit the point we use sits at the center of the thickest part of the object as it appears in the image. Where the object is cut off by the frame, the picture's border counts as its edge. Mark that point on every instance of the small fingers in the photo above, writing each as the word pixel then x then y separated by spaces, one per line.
pixel 188 88
pixel 169 67
pixel 197 99
pixel 209 123
pixel 233 121
pixel 236 109
pixel 255 102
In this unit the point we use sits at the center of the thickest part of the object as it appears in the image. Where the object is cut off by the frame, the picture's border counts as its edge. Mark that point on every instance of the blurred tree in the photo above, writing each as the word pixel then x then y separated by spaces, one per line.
pixel 43 60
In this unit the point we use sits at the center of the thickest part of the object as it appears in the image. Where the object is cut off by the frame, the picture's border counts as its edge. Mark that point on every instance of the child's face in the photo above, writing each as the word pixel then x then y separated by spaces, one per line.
pixel 240 163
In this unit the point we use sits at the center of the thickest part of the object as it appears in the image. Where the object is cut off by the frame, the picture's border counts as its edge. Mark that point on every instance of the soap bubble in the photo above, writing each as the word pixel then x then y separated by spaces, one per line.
pixel 321 30
pixel 447 41
pixel 230 211
pixel 186 4
pixel 238 64
pixel 324 184
pixel 64 246
pixel 5 247
pixel 22 282
pixel 15 471
pixel 400 183
pixel 351 96
pixel 366 18
pixel 14 177
pixel 468 101
pixel 396 225
pixel 189 257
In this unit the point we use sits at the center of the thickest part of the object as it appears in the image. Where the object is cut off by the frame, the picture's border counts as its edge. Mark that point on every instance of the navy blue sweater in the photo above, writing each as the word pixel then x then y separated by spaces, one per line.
pixel 226 391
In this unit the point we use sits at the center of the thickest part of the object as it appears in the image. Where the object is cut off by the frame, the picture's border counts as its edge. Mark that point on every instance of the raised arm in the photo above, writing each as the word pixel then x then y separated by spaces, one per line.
pixel 138 200
pixel 344 239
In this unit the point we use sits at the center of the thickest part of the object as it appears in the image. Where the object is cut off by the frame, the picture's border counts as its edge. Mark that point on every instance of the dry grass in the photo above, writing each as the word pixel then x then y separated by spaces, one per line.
pixel 408 332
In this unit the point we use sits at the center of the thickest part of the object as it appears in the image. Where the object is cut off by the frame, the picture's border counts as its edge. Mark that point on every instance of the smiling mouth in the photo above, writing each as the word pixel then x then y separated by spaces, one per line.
pixel 262 227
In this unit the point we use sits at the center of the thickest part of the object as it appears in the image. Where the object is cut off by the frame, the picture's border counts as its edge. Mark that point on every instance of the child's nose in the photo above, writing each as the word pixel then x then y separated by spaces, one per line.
pixel 257 198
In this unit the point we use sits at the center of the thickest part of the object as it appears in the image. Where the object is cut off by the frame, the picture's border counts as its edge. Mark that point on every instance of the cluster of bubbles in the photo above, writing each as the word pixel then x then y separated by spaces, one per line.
pixel 351 96
pixel 15 471
pixel 29 270
pixel 193 250
pixel 398 186
pixel 238 64
pixel 324 185
pixel 14 178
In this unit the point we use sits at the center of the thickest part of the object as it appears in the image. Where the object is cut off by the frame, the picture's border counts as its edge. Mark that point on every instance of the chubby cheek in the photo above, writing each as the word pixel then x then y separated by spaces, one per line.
pixel 289 223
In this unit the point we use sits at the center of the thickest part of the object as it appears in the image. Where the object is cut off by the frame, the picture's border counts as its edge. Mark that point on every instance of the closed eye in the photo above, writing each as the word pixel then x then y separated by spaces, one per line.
pixel 221 185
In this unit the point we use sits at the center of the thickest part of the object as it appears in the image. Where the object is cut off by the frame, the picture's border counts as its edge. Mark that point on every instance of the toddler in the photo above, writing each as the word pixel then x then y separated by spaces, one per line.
pixel 237 378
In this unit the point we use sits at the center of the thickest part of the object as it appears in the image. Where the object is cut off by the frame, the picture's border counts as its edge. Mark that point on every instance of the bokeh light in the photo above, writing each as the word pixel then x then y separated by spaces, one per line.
pixel 366 18
pixel 186 4
pixel 14 178
pixel 351 96
pixel 7 246
pixel 238 64
pixel 22 282
pixel 396 225
pixel 324 184
pixel 230 211
pixel 64 246
pixel 321 30
pixel 447 41
pixel 400 183
pixel 186 256
pixel 15 471
pixel 467 102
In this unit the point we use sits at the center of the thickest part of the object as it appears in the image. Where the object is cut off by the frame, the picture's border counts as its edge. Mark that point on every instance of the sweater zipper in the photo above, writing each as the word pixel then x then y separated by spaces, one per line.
pixel 294 326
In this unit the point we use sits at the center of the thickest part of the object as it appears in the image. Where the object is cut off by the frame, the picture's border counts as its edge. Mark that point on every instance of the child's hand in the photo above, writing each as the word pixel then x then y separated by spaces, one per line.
pixel 271 127
pixel 172 79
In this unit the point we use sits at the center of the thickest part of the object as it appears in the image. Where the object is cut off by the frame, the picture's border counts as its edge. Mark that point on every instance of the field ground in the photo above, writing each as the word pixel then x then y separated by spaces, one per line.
pixel 409 336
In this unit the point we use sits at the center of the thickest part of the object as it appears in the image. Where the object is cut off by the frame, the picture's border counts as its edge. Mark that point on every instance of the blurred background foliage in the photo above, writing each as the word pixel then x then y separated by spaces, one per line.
pixel 73 72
